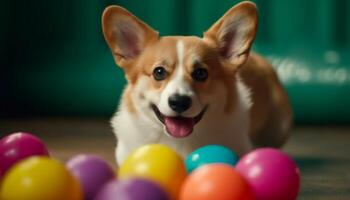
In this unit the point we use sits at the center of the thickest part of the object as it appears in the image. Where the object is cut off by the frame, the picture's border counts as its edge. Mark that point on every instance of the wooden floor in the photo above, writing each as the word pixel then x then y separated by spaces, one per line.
pixel 323 153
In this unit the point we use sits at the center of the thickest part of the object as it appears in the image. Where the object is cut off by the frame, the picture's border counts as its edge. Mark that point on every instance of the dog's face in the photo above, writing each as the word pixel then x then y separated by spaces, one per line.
pixel 173 81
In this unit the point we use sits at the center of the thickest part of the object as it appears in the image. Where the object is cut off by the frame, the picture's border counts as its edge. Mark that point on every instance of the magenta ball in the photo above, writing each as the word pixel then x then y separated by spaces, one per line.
pixel 272 174
pixel 92 173
pixel 132 189
pixel 18 146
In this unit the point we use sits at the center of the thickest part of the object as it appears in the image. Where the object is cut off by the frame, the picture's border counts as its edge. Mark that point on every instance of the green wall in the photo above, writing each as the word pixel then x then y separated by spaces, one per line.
pixel 54 60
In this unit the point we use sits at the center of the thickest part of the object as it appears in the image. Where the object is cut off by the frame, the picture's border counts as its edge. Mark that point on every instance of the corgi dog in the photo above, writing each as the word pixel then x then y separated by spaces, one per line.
pixel 187 91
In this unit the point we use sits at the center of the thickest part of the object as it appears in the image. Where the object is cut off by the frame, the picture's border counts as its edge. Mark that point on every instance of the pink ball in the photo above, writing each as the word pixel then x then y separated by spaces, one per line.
pixel 18 146
pixel 272 174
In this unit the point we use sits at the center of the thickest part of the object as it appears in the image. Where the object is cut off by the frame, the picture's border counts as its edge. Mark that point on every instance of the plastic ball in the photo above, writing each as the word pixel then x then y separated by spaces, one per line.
pixel 18 146
pixel 39 178
pixel 158 163
pixel 208 155
pixel 132 189
pixel 215 181
pixel 272 174
pixel 92 173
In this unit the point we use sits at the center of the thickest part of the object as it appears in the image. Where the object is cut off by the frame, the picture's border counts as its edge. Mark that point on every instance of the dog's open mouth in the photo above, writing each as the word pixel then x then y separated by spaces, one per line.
pixel 178 126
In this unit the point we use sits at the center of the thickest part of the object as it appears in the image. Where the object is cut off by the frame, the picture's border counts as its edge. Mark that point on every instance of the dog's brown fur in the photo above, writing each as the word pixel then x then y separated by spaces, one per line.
pixel 137 48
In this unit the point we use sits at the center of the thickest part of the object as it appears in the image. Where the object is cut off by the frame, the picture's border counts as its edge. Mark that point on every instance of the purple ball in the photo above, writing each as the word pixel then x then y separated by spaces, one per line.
pixel 272 174
pixel 92 172
pixel 132 189
pixel 18 146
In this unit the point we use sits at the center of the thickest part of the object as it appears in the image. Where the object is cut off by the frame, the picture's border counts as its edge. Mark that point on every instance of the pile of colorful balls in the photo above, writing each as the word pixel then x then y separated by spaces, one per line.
pixel 151 172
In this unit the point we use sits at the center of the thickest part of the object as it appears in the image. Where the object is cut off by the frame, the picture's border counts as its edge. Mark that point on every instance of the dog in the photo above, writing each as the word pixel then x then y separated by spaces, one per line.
pixel 186 91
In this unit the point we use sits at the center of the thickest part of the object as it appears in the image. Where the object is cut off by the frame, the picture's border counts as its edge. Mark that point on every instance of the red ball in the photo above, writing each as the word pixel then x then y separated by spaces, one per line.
pixel 18 146
pixel 215 181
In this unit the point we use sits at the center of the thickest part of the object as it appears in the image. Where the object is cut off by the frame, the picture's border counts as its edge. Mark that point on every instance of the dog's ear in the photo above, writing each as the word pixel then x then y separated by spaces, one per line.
pixel 234 33
pixel 125 34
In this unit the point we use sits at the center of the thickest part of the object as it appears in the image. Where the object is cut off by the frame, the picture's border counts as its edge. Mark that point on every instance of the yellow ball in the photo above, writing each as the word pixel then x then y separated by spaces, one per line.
pixel 39 178
pixel 158 163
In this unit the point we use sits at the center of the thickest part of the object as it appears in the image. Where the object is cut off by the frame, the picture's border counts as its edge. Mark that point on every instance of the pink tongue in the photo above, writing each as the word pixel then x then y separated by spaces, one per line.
pixel 179 126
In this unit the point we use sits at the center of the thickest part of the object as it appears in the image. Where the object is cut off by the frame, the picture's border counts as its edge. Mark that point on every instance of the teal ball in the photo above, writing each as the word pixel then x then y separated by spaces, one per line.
pixel 210 154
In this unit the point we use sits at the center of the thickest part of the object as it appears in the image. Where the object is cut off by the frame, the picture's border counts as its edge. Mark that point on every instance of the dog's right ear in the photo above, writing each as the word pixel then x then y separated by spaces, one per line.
pixel 125 34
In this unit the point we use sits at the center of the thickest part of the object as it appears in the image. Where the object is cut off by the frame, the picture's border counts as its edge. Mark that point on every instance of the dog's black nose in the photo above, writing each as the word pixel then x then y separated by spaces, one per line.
pixel 179 103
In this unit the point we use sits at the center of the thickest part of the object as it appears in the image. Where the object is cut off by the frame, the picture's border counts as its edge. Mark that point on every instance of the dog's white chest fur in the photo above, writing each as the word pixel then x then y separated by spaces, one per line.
pixel 217 127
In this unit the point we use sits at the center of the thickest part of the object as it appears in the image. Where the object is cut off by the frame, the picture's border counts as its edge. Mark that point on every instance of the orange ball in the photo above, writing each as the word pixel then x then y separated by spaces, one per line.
pixel 215 181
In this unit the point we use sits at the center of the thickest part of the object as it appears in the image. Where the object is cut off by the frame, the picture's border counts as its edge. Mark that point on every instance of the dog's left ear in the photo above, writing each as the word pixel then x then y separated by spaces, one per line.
pixel 234 33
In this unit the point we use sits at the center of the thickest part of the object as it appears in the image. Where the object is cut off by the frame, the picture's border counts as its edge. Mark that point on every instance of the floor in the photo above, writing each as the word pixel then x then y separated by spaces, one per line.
pixel 323 153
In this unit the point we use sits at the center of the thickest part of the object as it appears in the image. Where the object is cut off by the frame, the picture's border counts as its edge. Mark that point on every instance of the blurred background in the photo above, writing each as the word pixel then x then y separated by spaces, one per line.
pixel 58 79
pixel 55 62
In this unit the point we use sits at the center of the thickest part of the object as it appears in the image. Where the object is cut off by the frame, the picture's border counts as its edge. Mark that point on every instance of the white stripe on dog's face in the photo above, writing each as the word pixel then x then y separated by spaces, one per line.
pixel 179 85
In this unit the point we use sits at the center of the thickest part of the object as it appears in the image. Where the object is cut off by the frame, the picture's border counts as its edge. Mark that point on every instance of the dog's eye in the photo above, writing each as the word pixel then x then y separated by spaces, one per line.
pixel 200 74
pixel 159 73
